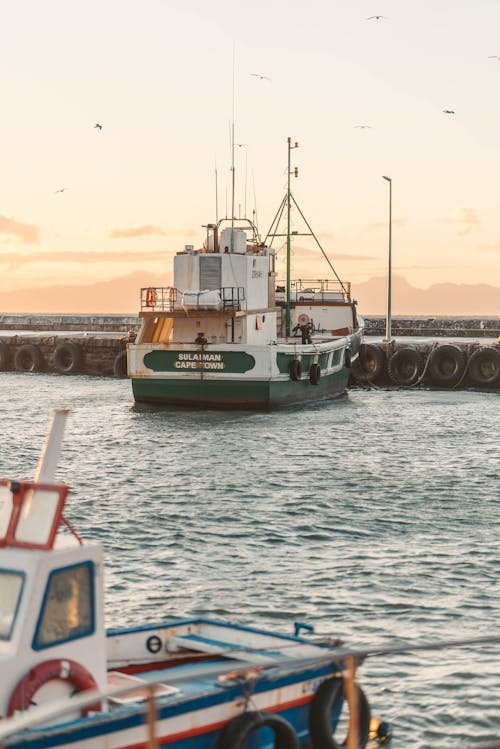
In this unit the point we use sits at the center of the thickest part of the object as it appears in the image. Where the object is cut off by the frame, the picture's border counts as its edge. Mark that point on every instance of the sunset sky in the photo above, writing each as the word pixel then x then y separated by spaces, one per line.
pixel 79 204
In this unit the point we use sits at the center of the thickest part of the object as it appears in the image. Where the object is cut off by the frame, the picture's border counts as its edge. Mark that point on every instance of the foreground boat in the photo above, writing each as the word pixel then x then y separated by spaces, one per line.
pixel 184 684
pixel 228 334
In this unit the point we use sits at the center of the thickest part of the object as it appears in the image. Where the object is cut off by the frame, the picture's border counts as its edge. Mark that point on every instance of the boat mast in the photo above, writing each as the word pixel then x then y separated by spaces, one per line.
pixel 288 240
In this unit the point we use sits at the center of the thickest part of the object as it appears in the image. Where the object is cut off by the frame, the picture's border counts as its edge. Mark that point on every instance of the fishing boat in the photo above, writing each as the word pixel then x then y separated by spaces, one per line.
pixel 184 684
pixel 229 334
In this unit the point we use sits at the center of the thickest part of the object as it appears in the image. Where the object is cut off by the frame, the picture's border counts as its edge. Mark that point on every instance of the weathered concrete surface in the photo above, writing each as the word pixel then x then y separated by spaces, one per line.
pixel 90 323
pixel 435 327
pixel 450 327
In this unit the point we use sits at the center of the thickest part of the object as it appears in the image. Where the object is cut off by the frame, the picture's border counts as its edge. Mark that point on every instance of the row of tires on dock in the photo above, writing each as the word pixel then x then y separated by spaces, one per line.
pixel 68 358
pixel 441 365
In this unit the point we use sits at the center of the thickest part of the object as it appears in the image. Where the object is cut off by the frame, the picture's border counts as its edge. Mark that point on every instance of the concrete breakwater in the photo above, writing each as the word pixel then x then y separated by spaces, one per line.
pixel 417 355
pixel 460 363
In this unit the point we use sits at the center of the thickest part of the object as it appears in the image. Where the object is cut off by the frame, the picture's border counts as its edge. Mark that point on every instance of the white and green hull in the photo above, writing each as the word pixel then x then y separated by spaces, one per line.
pixel 236 376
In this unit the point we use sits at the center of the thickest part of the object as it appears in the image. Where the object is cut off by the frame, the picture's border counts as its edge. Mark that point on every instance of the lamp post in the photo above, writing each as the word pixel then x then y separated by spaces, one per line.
pixel 388 334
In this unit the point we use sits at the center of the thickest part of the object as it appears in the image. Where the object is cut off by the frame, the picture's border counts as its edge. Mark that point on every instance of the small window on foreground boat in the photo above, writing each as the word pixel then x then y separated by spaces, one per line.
pixel 11 584
pixel 68 606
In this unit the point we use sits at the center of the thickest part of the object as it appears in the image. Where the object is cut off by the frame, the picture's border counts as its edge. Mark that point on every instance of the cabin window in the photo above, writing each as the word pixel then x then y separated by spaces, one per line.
pixel 11 584
pixel 68 606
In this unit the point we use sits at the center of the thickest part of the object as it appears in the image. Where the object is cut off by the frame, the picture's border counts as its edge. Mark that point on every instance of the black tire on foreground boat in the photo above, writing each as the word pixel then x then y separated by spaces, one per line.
pixel 28 358
pixel 370 364
pixel 483 367
pixel 4 356
pixel 347 358
pixel 68 358
pixel 295 370
pixel 325 703
pixel 238 731
pixel 406 366
pixel 314 374
pixel 120 365
pixel 446 364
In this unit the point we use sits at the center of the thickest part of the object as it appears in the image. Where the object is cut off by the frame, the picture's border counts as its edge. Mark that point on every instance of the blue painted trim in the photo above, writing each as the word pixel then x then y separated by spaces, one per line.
pixel 131 716
pixel 22 575
pixel 91 567
pixel 215 622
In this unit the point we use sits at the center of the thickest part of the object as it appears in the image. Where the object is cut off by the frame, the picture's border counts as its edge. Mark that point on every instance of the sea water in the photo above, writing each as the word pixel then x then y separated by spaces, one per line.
pixel 375 517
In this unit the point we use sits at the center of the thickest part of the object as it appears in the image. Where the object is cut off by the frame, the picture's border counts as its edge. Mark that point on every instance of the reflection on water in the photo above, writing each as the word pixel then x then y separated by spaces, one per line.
pixel 375 517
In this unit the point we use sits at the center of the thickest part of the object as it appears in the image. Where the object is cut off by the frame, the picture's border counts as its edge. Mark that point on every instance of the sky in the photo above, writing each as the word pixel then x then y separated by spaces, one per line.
pixel 166 78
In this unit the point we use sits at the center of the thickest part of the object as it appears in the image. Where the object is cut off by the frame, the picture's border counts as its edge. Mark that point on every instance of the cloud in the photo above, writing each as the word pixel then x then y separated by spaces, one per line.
pixel 24 233
pixel 490 247
pixel 384 224
pixel 16 259
pixel 466 221
pixel 136 231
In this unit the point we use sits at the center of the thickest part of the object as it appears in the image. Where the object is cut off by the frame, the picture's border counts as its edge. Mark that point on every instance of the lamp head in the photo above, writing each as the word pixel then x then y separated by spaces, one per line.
pixel 387 178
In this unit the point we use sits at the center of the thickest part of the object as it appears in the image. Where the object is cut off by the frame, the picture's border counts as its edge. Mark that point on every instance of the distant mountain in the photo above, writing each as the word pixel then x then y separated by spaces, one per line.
pixel 470 300
pixel 118 296
pixel 121 296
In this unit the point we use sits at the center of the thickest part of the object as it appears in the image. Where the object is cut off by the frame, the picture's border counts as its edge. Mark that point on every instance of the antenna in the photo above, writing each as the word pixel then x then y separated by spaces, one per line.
pixel 232 160
pixel 216 195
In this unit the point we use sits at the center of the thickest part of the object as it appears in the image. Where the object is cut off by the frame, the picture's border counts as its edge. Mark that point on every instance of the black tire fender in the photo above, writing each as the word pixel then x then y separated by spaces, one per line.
pixel 406 365
pixel 326 705
pixel 347 358
pixel 28 358
pixel 238 731
pixel 314 374
pixel 370 363
pixel 120 365
pixel 484 366
pixel 446 364
pixel 295 370
pixel 68 358
pixel 4 356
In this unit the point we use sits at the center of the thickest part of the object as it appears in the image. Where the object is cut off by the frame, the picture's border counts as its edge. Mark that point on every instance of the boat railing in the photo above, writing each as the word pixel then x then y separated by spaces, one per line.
pixel 316 290
pixel 170 299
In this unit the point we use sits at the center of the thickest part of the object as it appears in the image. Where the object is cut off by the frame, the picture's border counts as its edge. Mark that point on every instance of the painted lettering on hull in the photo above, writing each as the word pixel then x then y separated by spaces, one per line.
pixel 199 361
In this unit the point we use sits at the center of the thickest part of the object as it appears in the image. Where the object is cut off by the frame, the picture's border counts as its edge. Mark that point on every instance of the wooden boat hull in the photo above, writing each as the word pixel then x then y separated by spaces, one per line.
pixel 256 378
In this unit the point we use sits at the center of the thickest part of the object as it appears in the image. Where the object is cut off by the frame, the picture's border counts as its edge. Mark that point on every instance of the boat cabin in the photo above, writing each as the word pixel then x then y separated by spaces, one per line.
pixel 51 598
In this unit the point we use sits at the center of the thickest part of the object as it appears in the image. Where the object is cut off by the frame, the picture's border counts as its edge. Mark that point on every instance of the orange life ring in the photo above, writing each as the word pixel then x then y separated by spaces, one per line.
pixel 171 294
pixel 151 297
pixel 58 668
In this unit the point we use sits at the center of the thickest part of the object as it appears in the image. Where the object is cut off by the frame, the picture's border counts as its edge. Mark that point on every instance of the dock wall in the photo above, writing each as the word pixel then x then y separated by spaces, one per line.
pixel 440 352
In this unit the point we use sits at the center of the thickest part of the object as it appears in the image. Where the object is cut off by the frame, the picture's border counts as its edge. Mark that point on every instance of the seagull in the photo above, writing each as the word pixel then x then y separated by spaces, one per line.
pixel 240 144
pixel 363 127
pixel 97 125
pixel 448 111
pixel 377 18
pixel 262 77
pixel 61 189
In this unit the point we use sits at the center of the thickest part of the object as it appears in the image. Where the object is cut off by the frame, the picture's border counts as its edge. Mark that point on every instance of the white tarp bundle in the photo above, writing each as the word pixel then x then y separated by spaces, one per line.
pixel 202 299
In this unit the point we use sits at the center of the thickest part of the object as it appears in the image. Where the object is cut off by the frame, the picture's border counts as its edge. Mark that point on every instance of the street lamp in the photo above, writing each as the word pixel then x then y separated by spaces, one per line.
pixel 388 335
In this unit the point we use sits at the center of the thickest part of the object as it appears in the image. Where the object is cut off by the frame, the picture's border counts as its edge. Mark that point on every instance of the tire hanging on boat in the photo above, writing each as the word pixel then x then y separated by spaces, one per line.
pixel 446 364
pixel 405 366
pixel 236 734
pixel 314 374
pixel 370 364
pixel 58 669
pixel 4 356
pixel 28 358
pixel 326 706
pixel 347 358
pixel 68 358
pixel 120 365
pixel 295 370
pixel 484 366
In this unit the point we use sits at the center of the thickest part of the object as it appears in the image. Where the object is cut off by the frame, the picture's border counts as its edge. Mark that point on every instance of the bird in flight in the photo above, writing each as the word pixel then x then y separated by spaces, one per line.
pixel 377 18
pixel 98 126
pixel 61 189
pixel 363 127
pixel 448 111
pixel 240 144
pixel 262 77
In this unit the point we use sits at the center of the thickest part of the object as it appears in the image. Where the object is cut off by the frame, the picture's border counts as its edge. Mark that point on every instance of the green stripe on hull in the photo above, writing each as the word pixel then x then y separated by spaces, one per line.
pixel 244 394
